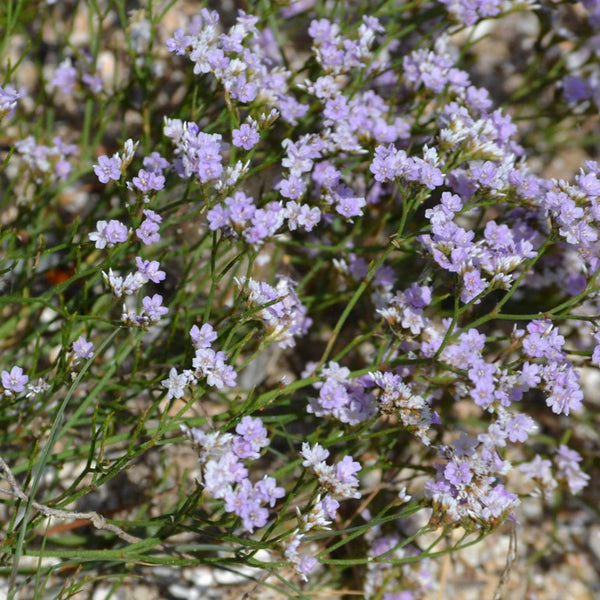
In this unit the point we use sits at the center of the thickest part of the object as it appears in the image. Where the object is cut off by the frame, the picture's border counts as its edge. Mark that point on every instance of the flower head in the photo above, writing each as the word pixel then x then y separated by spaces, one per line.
pixel 108 168
pixel 246 136
pixel 82 348
pixel 14 381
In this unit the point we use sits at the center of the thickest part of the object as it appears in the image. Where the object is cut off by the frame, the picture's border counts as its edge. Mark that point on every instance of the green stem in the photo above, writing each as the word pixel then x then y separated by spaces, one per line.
pixel 37 477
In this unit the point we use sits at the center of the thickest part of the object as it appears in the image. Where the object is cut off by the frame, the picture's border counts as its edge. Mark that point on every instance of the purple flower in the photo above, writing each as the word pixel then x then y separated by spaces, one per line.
pixel 221 474
pixel 567 462
pixel 322 30
pixel 212 365
pixel 473 285
pixel 427 68
pixel 349 205
pixel 268 492
pixel 519 428
pixel 530 374
pixel 301 154
pixel 333 396
pixel 204 336
pixel 64 77
pixel 14 381
pixel 265 223
pixel 241 208
pixel 155 163
pixel 468 12
pixel 218 217
pixel 246 136
pixel 344 399
pixel 495 437
pixel 108 168
pixel 301 215
pixel 150 269
pixel 147 232
pixel 345 470
pixel 256 517
pixel 468 350
pixel 306 565
pixel 562 383
pixel 153 308
pixel 499 237
pixel 243 90
pixel 386 163
pixel 458 474
pixel 222 374
pixel 481 370
pixel 8 99
pixel 293 187
pixel 429 174
pixel 200 152
pixel 252 437
pixel 330 506
pixel 576 89
pixel 336 108
pixel 252 429
pixel 540 470
pixel 285 319
pixel 94 82
pixel 326 175
pixel 62 169
pixel 483 393
pixel 115 232
pixel 418 296
pixel 497 502
pixel 589 184
pixel 147 181
pixel 339 479
pixel 109 234
pixel 152 216
pixel 296 7
pixel 543 340
pixel 302 563
pixel 217 60
pixel 82 348
pixel 245 503
pixel 478 98
pixel 595 360
pixel 179 42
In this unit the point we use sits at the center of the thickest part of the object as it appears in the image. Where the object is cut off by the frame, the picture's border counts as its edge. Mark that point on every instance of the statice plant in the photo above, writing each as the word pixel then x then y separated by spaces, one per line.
pixel 298 299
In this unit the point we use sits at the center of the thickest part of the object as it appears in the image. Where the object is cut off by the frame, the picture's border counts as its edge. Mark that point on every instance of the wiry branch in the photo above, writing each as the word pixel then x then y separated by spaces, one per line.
pixel 97 520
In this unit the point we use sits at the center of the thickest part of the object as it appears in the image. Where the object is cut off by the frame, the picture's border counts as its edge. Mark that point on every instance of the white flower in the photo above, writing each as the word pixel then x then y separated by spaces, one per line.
pixel 114 281
pixel 175 384
pixel 133 282
pixel 98 235
pixel 313 456
pixel 129 149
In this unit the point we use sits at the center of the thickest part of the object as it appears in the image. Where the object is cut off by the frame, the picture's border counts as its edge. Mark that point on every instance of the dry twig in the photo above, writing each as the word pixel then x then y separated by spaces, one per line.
pixel 97 520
